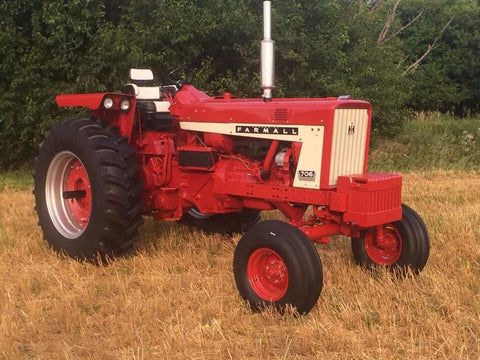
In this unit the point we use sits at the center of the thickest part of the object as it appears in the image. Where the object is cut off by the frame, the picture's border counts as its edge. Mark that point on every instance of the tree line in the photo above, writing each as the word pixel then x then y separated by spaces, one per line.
pixel 401 55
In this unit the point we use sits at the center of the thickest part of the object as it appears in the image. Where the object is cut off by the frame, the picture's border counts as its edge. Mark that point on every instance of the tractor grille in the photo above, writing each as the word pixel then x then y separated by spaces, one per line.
pixel 348 143
pixel 281 114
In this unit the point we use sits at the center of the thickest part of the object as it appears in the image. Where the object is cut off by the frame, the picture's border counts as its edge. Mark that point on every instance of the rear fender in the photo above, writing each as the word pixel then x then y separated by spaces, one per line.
pixel 94 102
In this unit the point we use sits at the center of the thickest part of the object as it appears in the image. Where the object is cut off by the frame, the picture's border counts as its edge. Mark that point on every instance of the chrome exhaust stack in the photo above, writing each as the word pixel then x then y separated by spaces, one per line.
pixel 267 54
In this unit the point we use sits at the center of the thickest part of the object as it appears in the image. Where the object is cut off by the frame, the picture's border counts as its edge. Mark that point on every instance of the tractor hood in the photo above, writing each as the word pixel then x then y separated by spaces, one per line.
pixel 194 105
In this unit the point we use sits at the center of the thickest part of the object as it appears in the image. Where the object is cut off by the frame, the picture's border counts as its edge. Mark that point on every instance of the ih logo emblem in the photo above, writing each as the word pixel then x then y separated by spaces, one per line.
pixel 351 129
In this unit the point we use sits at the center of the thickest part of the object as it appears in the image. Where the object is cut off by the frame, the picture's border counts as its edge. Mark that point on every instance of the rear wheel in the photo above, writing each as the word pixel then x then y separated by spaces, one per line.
pixel 276 263
pixel 68 194
pixel 87 190
pixel 401 245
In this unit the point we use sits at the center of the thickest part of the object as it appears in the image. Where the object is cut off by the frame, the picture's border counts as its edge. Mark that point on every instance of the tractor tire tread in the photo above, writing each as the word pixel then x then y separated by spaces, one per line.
pixel 121 192
pixel 415 245
pixel 305 274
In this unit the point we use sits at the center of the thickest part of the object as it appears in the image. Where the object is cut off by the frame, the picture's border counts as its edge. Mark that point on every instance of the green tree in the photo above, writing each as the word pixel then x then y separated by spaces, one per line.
pixel 376 50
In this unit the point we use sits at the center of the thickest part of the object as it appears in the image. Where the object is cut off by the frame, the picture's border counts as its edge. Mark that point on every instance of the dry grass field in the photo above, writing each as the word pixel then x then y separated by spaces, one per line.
pixel 176 297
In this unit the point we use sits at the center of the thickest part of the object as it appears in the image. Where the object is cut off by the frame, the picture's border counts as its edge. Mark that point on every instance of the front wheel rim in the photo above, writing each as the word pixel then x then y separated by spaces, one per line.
pixel 267 274
pixel 385 251
pixel 68 195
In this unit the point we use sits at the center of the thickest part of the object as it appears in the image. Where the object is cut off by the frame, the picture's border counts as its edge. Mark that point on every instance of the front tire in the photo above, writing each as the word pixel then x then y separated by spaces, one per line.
pixel 276 263
pixel 405 245
pixel 87 190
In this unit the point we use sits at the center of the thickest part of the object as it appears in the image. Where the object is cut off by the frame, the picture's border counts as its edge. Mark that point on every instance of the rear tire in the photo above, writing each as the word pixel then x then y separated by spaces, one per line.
pixel 407 246
pixel 87 190
pixel 276 264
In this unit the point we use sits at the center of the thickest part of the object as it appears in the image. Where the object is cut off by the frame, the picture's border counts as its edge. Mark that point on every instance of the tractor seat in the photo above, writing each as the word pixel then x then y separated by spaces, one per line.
pixel 144 92
pixel 154 112
pixel 153 106
pixel 147 95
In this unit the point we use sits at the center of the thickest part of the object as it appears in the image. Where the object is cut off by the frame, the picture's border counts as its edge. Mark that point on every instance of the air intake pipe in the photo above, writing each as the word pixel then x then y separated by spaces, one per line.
pixel 267 54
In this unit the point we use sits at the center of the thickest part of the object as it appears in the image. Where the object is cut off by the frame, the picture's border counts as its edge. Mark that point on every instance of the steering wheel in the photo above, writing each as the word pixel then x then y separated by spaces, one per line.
pixel 189 76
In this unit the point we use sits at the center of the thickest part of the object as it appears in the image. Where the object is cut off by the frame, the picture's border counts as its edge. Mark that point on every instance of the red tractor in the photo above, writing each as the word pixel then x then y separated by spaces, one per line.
pixel 173 152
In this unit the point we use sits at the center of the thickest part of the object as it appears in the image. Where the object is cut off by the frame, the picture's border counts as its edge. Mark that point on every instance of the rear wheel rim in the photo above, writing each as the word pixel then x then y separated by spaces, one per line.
pixel 267 274
pixel 387 251
pixel 68 195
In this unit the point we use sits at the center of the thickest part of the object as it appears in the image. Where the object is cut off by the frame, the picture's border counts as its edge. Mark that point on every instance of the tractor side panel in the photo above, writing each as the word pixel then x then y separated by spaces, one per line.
pixel 310 161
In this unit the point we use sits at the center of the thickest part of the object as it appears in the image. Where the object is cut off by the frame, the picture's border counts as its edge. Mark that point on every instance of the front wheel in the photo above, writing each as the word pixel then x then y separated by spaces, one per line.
pixel 276 263
pixel 400 246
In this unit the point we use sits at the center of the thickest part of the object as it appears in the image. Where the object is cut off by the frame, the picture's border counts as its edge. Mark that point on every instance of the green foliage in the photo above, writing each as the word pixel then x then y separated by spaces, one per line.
pixel 448 80
pixel 427 142
pixel 324 48
pixel 16 179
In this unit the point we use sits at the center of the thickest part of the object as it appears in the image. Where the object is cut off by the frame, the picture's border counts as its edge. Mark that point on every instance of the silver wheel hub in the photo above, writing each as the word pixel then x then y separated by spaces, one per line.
pixel 68 195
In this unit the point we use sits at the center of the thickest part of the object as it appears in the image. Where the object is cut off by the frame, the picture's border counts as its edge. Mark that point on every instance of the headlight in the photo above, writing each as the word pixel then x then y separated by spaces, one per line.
pixel 108 103
pixel 125 105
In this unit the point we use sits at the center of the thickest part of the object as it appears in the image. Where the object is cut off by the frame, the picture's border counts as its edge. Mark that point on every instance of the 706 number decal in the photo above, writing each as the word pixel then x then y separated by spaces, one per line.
pixel 306 175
